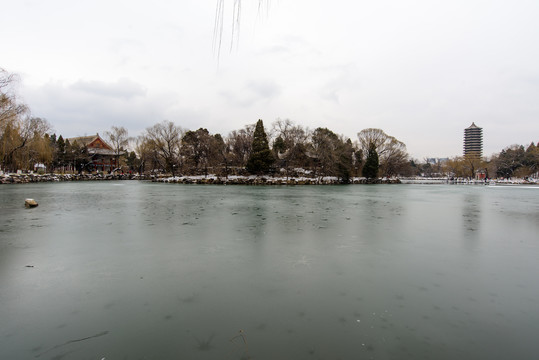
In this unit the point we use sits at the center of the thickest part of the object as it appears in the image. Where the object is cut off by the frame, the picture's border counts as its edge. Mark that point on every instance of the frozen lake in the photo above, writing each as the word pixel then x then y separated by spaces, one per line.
pixel 136 270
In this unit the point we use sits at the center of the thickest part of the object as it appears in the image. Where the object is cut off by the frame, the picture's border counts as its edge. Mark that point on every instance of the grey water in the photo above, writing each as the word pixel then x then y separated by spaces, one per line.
pixel 138 270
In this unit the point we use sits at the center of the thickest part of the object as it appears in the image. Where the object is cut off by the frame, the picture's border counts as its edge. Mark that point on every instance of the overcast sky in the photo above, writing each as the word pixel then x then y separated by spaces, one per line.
pixel 420 70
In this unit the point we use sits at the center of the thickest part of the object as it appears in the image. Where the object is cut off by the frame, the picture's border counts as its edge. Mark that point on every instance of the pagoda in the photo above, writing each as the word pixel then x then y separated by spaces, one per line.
pixel 473 141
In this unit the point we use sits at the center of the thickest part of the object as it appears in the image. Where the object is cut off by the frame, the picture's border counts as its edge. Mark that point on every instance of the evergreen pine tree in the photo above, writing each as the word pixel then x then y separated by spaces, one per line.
pixel 261 157
pixel 370 169
pixel 61 144
pixel 279 145
pixel 60 155
pixel 345 151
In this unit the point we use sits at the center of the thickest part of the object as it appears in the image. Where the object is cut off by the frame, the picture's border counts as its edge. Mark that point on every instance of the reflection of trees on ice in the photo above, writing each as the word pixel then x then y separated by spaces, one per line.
pixel 204 344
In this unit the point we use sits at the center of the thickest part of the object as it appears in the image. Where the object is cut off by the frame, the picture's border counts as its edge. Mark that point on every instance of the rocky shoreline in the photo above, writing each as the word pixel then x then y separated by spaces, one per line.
pixel 266 180
pixel 245 180
pixel 35 178
pixel 214 180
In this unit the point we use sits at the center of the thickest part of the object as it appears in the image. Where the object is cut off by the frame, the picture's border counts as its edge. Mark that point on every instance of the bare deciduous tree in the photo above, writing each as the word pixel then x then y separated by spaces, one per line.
pixel 240 143
pixel 118 137
pixel 324 150
pixel 164 140
pixel 10 108
pixel 392 152
pixel 290 144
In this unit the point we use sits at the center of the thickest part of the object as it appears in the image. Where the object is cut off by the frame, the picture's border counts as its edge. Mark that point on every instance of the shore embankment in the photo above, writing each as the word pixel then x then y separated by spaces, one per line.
pixel 11 178
pixel 267 180
pixel 210 179
pixel 35 178
pixel 468 181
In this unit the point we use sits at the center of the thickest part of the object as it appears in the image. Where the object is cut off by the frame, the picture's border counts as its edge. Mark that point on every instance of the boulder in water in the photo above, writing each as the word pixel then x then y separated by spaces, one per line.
pixel 30 203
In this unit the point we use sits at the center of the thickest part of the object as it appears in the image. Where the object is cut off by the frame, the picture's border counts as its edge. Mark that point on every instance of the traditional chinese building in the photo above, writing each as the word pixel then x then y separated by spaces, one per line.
pixel 473 141
pixel 102 155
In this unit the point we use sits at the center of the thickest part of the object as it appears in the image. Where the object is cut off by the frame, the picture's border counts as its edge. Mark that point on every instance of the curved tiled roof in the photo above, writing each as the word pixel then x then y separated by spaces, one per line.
pixel 88 140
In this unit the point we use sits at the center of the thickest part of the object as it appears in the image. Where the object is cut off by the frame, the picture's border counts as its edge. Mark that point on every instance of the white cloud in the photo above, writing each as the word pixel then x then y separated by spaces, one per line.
pixel 421 71
pixel 252 93
pixel 123 88
pixel 89 107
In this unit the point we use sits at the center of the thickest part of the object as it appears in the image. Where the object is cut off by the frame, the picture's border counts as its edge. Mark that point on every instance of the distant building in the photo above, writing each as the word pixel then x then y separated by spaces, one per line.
pixel 473 141
pixel 102 155
pixel 437 161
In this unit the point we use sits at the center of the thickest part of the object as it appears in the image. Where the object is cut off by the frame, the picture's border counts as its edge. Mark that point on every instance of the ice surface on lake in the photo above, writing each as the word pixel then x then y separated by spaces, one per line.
pixel 172 271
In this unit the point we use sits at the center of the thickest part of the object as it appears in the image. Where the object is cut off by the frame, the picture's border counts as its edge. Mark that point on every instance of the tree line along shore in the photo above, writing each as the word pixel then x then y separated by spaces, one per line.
pixel 285 149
